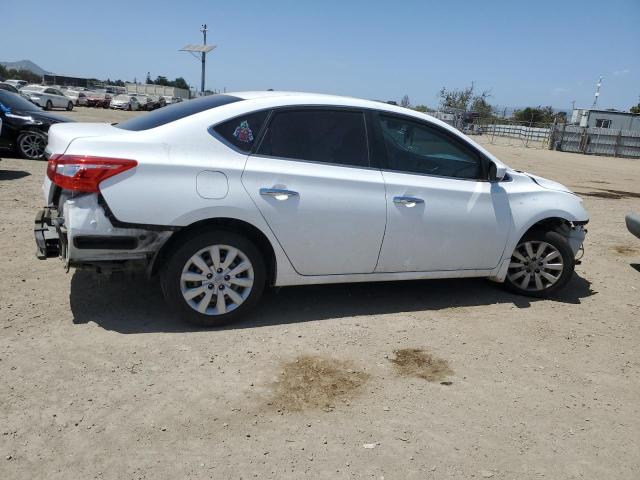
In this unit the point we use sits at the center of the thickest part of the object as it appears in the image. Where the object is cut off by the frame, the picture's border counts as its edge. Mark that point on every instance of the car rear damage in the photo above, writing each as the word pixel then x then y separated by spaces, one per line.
pixel 81 234
pixel 76 223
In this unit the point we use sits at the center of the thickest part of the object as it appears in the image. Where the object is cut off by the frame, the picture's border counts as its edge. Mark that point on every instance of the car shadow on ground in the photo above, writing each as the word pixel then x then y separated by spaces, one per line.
pixel 13 174
pixel 135 305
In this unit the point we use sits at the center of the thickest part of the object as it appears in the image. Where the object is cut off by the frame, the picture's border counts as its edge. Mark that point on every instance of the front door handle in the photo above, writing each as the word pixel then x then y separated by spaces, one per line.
pixel 278 193
pixel 407 201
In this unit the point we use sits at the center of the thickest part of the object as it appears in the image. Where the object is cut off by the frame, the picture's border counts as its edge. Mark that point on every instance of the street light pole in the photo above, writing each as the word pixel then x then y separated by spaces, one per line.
pixel 204 54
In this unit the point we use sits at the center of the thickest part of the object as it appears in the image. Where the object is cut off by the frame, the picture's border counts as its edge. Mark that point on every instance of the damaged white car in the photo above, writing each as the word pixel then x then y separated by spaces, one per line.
pixel 227 194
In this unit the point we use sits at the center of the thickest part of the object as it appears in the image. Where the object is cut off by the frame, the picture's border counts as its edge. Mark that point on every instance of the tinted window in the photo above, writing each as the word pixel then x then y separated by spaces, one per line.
pixel 175 112
pixel 242 132
pixel 330 136
pixel 417 148
pixel 12 101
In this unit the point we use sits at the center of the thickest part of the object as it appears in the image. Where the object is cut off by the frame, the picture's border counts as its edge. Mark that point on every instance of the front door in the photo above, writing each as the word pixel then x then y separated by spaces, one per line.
pixel 441 213
pixel 311 180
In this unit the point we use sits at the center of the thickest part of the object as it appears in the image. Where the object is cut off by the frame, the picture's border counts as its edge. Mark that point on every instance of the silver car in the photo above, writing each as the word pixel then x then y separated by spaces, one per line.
pixel 47 97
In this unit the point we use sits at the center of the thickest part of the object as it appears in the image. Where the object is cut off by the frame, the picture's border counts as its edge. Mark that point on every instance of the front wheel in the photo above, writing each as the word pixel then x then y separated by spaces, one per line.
pixel 31 144
pixel 213 278
pixel 541 264
pixel 48 105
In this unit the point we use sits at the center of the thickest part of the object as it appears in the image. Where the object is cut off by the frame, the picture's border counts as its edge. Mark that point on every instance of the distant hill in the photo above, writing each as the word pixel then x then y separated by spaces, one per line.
pixel 25 65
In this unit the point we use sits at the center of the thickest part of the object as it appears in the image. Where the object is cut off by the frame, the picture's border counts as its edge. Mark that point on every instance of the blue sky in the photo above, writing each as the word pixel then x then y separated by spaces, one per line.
pixel 527 53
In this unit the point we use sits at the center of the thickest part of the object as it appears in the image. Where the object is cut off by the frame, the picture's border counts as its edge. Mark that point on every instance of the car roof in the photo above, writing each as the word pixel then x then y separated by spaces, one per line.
pixel 302 98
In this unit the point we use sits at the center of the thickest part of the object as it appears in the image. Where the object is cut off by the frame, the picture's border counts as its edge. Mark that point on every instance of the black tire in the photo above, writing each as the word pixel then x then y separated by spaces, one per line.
pixel 171 272
pixel 30 144
pixel 48 105
pixel 560 244
pixel 69 106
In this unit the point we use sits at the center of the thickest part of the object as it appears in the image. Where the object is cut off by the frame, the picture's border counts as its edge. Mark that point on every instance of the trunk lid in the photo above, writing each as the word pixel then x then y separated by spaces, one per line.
pixel 61 135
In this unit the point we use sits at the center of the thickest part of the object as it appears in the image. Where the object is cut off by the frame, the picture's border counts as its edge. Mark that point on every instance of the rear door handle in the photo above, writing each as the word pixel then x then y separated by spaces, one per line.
pixel 407 201
pixel 278 193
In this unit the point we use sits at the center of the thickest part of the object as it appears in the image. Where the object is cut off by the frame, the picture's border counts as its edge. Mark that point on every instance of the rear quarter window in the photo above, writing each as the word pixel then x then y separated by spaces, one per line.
pixel 242 132
pixel 175 112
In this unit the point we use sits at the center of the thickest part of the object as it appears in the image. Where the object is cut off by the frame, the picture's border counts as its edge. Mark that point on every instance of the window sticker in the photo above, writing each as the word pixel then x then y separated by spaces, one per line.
pixel 243 133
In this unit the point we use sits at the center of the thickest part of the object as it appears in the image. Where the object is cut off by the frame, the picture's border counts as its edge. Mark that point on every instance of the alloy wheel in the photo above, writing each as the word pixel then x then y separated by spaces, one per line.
pixel 217 279
pixel 535 266
pixel 32 145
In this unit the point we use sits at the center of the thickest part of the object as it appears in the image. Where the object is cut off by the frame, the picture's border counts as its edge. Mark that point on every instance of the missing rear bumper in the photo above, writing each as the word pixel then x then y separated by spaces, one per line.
pixel 47 235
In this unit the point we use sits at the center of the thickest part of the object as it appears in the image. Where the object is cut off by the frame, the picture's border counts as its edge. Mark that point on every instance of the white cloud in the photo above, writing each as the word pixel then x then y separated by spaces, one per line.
pixel 625 71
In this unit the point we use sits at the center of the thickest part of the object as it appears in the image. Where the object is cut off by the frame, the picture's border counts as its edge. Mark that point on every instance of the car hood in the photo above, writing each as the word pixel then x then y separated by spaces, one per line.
pixel 44 116
pixel 548 184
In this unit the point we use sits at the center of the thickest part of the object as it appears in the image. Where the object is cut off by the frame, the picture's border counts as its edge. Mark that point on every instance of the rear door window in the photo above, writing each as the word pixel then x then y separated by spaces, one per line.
pixel 317 135
pixel 242 132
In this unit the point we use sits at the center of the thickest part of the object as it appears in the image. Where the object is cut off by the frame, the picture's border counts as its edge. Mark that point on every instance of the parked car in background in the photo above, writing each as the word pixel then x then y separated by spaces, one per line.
pixel 168 99
pixel 633 223
pixel 47 97
pixel 17 83
pixel 125 102
pixel 98 99
pixel 146 103
pixel 157 101
pixel 226 194
pixel 8 87
pixel 24 126
pixel 78 97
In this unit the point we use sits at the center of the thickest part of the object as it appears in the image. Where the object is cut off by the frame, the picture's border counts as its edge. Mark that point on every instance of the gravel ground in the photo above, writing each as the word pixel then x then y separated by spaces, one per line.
pixel 424 379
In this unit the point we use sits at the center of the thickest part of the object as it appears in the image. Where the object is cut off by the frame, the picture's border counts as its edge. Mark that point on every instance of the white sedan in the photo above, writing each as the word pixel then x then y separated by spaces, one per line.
pixel 47 97
pixel 227 194
pixel 125 102
pixel 76 96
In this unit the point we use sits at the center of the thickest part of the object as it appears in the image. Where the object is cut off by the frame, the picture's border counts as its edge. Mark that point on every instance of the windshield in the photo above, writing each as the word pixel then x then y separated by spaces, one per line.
pixel 12 101
pixel 176 111
pixel 32 88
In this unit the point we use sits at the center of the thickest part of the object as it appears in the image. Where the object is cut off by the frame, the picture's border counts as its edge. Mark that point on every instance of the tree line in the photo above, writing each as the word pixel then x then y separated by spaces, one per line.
pixel 468 99
pixel 162 80
pixel 21 74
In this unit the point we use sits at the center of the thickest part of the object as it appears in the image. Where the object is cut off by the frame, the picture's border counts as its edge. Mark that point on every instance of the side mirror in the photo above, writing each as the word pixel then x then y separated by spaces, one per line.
pixel 496 173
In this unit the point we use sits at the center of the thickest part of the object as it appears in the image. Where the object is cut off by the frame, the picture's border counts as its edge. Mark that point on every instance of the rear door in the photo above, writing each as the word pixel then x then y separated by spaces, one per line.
pixel 313 183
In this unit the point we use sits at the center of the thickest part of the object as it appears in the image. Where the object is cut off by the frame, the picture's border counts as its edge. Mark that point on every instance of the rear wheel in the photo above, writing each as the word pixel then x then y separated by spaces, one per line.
pixel 541 264
pixel 70 106
pixel 213 278
pixel 31 144
pixel 48 105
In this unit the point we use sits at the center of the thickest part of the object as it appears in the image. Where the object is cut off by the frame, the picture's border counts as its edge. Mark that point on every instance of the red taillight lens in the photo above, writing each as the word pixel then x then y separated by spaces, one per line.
pixel 83 173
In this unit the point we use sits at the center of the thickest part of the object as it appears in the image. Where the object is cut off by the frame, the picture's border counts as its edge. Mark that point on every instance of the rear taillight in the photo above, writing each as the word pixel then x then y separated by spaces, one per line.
pixel 83 173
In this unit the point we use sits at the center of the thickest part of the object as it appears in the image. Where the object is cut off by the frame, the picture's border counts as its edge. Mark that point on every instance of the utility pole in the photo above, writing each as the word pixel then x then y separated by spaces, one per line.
pixel 204 54
pixel 595 98
pixel 202 50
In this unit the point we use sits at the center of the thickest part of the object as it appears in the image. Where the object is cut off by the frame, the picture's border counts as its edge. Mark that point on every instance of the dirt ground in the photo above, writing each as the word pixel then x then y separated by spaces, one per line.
pixel 414 380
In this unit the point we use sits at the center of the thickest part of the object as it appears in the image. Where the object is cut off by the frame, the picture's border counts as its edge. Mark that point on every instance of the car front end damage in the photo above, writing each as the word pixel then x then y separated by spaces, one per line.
pixel 575 233
pixel 80 232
